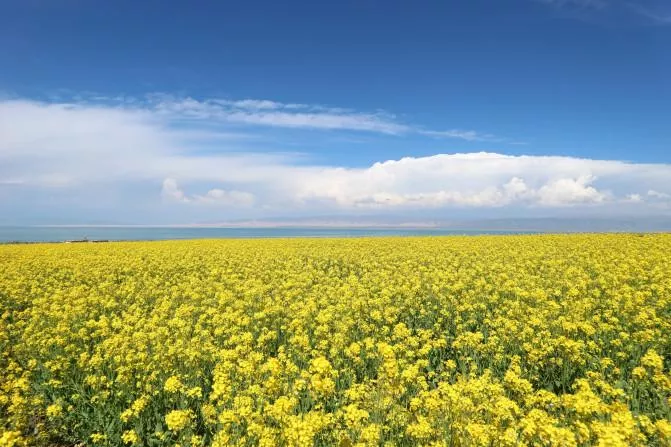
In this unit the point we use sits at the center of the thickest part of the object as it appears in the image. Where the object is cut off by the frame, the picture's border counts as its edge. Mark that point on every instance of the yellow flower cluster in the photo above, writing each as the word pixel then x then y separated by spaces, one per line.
pixel 439 341
pixel 178 420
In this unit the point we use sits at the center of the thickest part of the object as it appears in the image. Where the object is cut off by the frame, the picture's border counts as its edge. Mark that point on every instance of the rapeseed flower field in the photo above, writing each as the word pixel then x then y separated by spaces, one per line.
pixel 553 340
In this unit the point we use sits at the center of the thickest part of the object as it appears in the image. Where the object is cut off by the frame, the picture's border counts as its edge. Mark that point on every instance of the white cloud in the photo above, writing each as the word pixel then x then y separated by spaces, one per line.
pixel 658 195
pixel 88 148
pixel 172 192
pixel 633 198
pixel 470 180
pixel 568 191
pixel 216 196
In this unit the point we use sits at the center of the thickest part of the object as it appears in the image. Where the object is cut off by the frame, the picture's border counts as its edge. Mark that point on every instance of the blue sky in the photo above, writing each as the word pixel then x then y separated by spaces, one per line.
pixel 178 112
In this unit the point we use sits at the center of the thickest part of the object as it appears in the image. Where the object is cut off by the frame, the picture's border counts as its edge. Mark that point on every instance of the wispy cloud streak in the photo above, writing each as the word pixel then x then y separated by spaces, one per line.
pixel 654 11
pixel 267 113
pixel 656 16
pixel 593 4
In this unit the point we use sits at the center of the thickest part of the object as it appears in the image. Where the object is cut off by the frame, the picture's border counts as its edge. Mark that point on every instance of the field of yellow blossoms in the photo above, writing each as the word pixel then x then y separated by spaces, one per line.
pixel 556 340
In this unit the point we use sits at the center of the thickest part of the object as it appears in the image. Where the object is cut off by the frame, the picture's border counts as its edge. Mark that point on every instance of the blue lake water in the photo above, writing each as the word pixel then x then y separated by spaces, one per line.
pixel 57 234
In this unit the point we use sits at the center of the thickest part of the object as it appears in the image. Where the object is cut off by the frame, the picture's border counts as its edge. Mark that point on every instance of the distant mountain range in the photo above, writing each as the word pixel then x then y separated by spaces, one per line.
pixel 508 224
pixel 589 224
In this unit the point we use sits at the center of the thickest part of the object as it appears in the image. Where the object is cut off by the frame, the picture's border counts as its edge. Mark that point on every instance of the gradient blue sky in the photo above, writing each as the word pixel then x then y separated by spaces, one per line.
pixel 176 112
